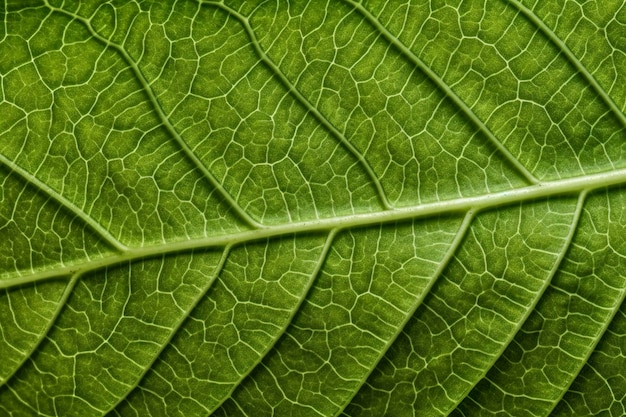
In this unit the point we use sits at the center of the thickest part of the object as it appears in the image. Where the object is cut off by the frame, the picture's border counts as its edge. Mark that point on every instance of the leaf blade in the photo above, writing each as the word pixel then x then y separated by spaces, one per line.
pixel 169 160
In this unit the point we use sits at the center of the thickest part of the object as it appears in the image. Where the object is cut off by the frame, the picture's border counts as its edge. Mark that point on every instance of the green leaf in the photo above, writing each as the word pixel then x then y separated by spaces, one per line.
pixel 312 208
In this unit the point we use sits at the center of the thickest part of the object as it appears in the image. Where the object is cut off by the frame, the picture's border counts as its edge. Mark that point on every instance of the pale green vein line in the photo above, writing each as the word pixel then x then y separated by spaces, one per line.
pixel 568 186
pixel 305 102
pixel 592 348
pixel 567 242
pixel 314 274
pixel 164 119
pixel 64 202
pixel 443 264
pixel 241 411
pixel 582 70
pixel 61 303
pixel 209 282
pixel 439 82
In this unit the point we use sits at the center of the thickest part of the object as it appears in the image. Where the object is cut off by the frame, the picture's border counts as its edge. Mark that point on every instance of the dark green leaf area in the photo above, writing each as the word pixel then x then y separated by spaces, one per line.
pixel 230 329
pixel 370 283
pixel 472 312
pixel 555 342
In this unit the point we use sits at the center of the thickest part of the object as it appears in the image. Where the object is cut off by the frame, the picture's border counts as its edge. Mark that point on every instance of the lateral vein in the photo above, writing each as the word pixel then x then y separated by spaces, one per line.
pixel 521 169
pixel 305 102
pixel 64 202
pixel 165 121
pixel 582 70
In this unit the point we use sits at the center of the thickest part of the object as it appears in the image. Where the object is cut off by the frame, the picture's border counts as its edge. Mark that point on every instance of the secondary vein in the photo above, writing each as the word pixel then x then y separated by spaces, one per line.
pixel 59 198
pixel 165 121
pixel 305 102
pixel 521 169
pixel 174 330
pixel 582 70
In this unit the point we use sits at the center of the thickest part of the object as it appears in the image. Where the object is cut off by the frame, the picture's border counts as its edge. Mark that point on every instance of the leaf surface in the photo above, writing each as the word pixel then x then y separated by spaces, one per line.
pixel 312 208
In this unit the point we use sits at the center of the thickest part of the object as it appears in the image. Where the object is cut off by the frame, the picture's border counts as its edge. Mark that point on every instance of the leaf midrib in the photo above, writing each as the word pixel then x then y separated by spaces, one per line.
pixel 569 186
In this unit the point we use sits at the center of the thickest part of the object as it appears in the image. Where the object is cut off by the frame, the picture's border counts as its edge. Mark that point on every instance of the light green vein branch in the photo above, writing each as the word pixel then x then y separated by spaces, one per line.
pixel 314 274
pixel 176 327
pixel 592 347
pixel 164 119
pixel 305 102
pixel 567 243
pixel 64 202
pixel 582 70
pixel 454 245
pixel 521 169
pixel 569 186
pixel 60 305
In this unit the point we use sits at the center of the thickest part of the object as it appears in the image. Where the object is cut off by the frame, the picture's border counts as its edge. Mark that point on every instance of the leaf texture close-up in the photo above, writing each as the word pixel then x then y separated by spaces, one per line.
pixel 322 208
